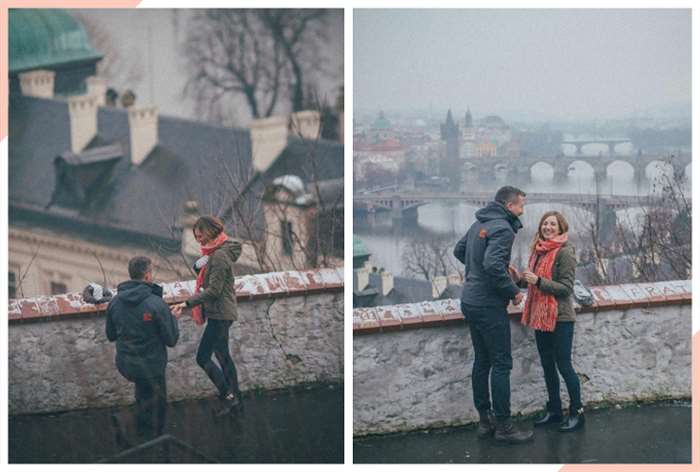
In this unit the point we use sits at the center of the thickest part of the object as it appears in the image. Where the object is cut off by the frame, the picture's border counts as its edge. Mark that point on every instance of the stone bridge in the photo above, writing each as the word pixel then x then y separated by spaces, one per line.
pixel 401 202
pixel 520 168
pixel 611 142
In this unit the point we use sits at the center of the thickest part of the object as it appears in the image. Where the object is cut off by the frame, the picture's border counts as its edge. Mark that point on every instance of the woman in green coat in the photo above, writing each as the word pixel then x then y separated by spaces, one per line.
pixel 215 301
pixel 549 310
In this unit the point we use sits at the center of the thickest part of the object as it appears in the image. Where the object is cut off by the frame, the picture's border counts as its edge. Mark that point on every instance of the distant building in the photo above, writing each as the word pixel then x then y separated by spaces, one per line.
pixel 449 132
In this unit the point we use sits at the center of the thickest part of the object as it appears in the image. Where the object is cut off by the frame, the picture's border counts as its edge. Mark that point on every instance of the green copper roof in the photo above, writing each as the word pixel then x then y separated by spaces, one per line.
pixel 41 38
pixel 358 248
pixel 381 122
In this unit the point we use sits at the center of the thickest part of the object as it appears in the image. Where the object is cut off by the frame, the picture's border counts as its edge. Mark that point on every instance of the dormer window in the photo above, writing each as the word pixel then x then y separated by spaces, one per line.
pixel 80 176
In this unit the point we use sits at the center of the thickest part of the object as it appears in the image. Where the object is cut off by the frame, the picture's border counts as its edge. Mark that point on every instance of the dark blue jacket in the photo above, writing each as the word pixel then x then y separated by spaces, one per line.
pixel 485 252
pixel 141 323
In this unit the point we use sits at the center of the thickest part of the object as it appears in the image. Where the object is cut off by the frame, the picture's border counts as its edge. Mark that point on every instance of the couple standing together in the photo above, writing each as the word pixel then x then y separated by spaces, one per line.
pixel 143 325
pixel 490 283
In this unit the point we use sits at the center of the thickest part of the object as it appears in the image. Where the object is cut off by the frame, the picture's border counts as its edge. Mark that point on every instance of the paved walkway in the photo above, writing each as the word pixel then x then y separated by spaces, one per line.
pixel 301 425
pixel 657 433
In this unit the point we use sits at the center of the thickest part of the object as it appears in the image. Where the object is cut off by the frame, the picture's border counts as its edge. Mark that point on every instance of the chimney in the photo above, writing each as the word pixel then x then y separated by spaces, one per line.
pixel 97 87
pixel 439 285
pixel 268 138
pixel 143 132
pixel 37 83
pixel 360 279
pixel 306 124
pixel 269 135
pixel 82 110
pixel 386 283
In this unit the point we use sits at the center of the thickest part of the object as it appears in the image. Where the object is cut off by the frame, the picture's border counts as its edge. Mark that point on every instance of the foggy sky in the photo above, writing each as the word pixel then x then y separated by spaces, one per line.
pixel 547 63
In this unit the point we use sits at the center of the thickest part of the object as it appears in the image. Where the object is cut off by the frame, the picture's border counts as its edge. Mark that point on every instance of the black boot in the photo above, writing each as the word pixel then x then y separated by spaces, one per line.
pixel 232 403
pixel 487 424
pixel 548 418
pixel 507 433
pixel 574 421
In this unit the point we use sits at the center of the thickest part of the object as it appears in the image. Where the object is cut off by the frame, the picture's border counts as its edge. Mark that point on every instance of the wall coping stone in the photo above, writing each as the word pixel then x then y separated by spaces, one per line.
pixel 446 312
pixel 248 287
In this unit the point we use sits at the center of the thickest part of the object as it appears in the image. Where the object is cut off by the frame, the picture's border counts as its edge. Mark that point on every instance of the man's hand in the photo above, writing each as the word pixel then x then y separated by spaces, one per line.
pixel 518 298
pixel 177 309
pixel 514 274
pixel 529 277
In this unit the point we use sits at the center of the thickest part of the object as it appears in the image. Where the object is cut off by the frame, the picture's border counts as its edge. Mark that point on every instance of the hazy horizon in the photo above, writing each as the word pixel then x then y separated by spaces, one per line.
pixel 545 64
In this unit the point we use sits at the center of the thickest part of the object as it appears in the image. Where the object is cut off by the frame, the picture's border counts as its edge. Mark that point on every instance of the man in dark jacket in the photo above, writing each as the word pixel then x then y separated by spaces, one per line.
pixel 485 252
pixel 141 323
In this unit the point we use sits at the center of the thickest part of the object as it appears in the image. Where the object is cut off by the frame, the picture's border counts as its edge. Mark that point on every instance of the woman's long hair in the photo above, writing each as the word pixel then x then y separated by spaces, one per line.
pixel 563 227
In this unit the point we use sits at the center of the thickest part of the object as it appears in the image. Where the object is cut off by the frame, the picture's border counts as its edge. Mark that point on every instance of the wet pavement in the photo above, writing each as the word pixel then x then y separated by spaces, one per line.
pixel 301 425
pixel 658 433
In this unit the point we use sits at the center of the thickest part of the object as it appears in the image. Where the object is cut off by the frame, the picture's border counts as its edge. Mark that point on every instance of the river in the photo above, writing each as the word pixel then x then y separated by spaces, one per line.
pixel 449 221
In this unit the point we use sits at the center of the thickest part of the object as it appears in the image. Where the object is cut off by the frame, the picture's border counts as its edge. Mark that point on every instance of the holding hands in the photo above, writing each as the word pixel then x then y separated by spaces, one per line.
pixel 529 277
pixel 177 309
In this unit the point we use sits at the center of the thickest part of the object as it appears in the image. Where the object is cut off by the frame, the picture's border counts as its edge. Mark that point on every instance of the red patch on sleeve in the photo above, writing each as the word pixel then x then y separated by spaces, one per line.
pixel 482 233
pixel 147 317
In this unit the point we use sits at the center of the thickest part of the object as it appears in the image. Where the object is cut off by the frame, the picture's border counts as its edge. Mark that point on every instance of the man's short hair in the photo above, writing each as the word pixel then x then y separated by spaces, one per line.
pixel 138 266
pixel 508 194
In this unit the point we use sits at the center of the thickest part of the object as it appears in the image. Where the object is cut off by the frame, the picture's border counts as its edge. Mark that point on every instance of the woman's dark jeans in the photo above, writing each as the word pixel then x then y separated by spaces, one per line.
pixel 215 341
pixel 555 354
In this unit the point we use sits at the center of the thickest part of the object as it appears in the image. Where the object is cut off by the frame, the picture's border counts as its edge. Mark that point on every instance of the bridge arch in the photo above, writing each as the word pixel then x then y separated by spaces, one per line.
pixel 541 170
pixel 656 168
pixel 621 166
pixel 581 168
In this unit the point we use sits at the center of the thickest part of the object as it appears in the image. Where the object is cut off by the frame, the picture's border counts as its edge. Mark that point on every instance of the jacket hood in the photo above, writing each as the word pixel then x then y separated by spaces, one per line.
pixel 496 211
pixel 230 247
pixel 134 292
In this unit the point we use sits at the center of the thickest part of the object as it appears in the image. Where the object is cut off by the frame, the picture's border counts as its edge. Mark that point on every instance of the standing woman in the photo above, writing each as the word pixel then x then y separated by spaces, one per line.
pixel 549 309
pixel 215 301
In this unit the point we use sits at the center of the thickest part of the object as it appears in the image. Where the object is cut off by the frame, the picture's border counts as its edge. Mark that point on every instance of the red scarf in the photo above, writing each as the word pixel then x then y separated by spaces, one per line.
pixel 541 308
pixel 206 250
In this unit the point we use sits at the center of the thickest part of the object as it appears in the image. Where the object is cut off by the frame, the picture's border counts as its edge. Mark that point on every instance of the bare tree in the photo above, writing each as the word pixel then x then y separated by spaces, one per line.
pixel 653 242
pixel 232 56
pixel 299 33
pixel 662 248
pixel 260 57
pixel 428 259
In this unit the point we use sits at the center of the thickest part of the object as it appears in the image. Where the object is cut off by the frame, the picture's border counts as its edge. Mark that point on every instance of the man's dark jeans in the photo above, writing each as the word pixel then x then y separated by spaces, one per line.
pixel 555 353
pixel 490 333
pixel 215 341
pixel 151 403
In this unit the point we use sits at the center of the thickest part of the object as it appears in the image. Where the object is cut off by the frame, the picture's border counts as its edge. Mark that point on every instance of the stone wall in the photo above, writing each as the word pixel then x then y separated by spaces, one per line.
pixel 412 363
pixel 289 331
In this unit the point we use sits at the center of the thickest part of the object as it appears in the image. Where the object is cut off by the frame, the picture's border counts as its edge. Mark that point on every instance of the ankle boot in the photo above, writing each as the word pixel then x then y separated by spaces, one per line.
pixel 574 421
pixel 507 433
pixel 548 418
pixel 231 404
pixel 487 424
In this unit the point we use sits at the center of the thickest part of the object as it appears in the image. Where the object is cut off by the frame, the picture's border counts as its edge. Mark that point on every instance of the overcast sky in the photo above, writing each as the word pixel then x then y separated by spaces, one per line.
pixel 550 63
